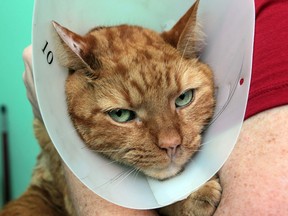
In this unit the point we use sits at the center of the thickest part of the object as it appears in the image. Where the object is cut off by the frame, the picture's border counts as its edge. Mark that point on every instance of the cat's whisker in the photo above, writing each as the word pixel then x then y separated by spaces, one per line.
pixel 137 171
pixel 104 151
pixel 135 175
pixel 112 180
pixel 120 178
pixel 208 141
pixel 111 162
pixel 201 145
pixel 125 176
pixel 117 177
pixel 230 96
pixel 197 150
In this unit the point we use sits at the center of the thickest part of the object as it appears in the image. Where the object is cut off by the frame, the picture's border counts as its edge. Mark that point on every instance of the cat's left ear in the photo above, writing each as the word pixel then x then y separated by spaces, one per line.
pixel 186 34
pixel 74 51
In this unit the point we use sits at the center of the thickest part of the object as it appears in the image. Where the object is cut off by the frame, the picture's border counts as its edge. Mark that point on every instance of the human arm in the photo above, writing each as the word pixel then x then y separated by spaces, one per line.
pixel 255 177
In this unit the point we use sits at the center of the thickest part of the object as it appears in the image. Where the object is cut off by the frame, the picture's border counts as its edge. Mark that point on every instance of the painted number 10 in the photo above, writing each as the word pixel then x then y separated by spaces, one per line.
pixel 49 54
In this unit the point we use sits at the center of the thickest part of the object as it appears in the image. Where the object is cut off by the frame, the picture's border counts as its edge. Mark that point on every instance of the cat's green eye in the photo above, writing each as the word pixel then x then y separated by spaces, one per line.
pixel 185 98
pixel 122 115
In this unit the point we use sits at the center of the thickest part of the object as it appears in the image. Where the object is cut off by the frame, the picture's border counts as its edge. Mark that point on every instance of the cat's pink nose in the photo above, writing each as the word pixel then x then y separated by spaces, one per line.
pixel 170 142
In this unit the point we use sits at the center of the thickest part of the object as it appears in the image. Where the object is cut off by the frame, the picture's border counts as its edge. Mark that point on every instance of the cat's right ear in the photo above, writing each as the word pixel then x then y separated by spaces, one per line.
pixel 74 51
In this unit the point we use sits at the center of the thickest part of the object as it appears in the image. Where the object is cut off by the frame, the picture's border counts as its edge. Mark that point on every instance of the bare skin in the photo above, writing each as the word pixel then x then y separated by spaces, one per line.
pixel 255 178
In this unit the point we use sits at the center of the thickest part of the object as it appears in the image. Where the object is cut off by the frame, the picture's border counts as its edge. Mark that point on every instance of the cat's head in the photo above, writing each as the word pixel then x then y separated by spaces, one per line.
pixel 139 97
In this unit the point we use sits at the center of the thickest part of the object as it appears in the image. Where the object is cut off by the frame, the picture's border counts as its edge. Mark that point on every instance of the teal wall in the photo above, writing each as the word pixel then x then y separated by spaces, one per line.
pixel 15 35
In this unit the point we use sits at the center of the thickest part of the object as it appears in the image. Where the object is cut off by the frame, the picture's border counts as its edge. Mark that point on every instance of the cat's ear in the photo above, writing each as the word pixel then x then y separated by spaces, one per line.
pixel 186 34
pixel 74 51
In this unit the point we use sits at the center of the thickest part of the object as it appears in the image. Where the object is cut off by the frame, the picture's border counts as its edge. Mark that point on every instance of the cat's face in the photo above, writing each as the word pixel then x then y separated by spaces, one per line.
pixel 135 98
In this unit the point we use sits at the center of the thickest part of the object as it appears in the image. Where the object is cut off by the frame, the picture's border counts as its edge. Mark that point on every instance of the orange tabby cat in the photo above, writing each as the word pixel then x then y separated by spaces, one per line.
pixel 142 99
pixel 136 96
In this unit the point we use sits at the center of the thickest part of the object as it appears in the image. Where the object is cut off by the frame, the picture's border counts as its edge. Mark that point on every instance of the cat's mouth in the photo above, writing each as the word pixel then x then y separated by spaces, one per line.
pixel 167 166
pixel 163 174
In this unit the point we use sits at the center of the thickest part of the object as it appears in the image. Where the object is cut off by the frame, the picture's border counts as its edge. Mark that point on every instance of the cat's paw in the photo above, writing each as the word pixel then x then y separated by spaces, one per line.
pixel 202 202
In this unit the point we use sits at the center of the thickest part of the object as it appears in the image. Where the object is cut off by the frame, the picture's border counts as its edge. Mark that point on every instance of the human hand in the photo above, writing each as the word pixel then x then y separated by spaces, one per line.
pixel 29 82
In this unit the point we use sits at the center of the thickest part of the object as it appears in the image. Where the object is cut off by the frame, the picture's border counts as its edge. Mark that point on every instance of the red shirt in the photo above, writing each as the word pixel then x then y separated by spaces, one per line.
pixel 269 84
